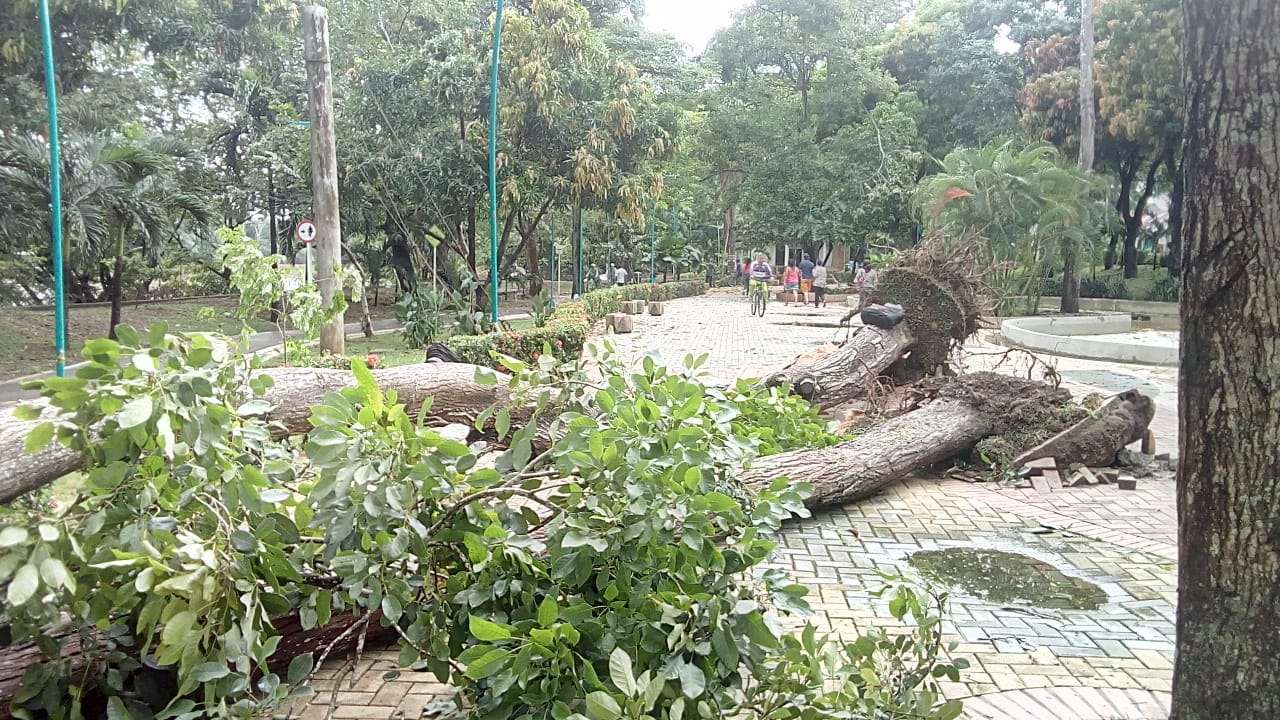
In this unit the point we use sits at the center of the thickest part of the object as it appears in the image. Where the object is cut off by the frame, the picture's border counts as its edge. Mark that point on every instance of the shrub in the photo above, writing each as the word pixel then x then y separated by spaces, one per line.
pixel 566 329
pixel 427 315
pixel 1165 288
pixel 1107 287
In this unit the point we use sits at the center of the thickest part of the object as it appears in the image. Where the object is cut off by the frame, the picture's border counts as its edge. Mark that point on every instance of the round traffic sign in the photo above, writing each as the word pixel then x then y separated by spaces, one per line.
pixel 305 232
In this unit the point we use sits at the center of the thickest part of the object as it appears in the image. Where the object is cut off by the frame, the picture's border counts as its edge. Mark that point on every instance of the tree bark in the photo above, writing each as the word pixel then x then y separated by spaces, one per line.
pixel 864 466
pixel 457 398
pixel 1174 166
pixel 844 374
pixel 324 170
pixel 1228 646
pixel 117 283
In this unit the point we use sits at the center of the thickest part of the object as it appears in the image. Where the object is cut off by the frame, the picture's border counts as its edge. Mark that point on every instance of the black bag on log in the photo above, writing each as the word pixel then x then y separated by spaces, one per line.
pixel 439 352
pixel 883 316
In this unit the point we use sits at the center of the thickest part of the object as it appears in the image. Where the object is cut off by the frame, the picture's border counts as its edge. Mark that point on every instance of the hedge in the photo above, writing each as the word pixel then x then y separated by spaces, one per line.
pixel 565 332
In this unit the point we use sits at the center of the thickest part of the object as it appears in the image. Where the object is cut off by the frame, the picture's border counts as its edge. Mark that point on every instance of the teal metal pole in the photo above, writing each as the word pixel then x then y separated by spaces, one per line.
pixel 494 260
pixel 55 195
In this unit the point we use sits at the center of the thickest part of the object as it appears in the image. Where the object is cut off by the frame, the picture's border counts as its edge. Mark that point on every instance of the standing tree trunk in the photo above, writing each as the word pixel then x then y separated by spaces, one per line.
pixel 324 170
pixel 1174 165
pixel 1228 652
pixel 1070 302
pixel 117 284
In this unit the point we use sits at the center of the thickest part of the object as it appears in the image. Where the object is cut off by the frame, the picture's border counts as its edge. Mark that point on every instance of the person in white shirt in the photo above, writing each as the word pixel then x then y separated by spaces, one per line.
pixel 820 285
pixel 620 275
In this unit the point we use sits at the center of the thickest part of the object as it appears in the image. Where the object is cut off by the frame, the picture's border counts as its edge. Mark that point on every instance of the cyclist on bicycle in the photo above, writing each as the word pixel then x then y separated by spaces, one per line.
pixel 761 274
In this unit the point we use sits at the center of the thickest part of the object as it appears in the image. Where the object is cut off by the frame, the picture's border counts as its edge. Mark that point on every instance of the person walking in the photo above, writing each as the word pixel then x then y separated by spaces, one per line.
pixel 746 277
pixel 620 275
pixel 806 278
pixel 870 283
pixel 820 286
pixel 790 283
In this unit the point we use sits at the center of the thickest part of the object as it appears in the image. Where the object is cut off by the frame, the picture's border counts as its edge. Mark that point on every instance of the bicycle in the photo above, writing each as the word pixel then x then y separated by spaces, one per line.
pixel 759 297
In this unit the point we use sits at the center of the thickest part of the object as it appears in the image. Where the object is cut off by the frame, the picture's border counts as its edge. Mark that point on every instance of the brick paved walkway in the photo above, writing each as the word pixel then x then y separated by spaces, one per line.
pixel 1113 663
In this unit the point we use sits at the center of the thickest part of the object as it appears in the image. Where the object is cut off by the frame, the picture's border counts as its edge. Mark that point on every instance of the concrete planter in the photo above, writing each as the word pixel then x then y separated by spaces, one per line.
pixel 620 322
pixel 657 308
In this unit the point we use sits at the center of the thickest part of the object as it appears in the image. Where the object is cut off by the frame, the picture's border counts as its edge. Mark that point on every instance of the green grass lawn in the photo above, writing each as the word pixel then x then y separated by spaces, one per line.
pixel 390 348
pixel 26 336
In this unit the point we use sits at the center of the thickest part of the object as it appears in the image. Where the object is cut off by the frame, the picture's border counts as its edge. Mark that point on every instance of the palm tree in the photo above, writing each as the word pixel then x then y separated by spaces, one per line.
pixel 121 194
pixel 1025 206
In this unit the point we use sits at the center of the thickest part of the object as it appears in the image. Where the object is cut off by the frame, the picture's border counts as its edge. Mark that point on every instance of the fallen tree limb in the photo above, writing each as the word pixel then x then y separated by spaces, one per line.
pixel 1095 440
pixel 867 464
pixel 456 398
pixel 843 374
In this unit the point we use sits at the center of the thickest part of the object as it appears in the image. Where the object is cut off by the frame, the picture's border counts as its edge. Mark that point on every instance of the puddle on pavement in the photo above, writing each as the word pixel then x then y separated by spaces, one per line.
pixel 1006 577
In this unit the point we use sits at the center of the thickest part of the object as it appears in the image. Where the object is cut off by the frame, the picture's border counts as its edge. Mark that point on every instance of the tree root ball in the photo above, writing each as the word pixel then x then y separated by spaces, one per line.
pixel 1024 413
pixel 936 317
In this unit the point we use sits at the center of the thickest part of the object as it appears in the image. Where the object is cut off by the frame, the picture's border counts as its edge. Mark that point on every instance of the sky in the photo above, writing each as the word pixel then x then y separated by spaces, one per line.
pixel 692 21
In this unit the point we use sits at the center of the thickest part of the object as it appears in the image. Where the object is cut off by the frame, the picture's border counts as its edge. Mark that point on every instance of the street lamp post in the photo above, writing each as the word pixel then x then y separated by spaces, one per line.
pixel 494 260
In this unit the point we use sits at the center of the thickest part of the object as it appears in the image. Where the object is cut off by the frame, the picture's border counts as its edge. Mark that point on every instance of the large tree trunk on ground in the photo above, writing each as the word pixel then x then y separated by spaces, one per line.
pixel 845 374
pixel 457 398
pixel 1228 659
pixel 864 466
pixel 1095 440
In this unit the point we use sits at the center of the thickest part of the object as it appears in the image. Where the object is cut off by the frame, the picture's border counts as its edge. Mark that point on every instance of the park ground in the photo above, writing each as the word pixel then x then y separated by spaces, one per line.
pixel 1113 662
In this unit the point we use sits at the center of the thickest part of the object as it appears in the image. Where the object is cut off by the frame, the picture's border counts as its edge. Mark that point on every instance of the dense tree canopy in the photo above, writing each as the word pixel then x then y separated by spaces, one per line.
pixel 806 122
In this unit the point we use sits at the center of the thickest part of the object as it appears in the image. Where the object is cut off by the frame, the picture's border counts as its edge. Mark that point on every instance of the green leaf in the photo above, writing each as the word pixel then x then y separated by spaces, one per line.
pixel 299 668
pixel 13 535
pixel 760 633
pixel 605 400
pixel 205 672
pixel 548 611
pixel 38 438
pixel 135 412
pixel 951 710
pixel 676 710
pixel 55 574
pixel 621 673
pixel 488 664
pixel 116 709
pixel 692 680
pixel 176 630
pixel 602 706
pixel 486 630
pixel 26 412
pixel 575 538
pixel 24 584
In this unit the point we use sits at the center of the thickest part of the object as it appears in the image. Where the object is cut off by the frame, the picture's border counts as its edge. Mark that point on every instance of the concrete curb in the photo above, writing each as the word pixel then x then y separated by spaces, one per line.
pixel 1070 335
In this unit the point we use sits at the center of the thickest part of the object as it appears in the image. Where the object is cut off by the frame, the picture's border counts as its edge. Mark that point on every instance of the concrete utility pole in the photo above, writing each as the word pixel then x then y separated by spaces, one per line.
pixel 324 169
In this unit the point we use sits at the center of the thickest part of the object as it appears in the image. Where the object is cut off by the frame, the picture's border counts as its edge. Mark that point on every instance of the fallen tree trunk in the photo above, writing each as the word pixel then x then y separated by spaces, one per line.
pixel 845 373
pixel 456 398
pixel 1095 440
pixel 867 464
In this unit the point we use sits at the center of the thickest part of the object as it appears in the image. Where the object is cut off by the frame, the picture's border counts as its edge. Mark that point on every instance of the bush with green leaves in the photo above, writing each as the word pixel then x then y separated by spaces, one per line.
pixel 1165 288
pixel 613 572
pixel 426 315
pixel 566 330
pixel 777 419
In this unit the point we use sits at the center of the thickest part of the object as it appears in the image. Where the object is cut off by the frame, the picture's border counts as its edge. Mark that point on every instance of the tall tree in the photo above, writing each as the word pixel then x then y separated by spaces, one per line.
pixel 1070 302
pixel 1228 659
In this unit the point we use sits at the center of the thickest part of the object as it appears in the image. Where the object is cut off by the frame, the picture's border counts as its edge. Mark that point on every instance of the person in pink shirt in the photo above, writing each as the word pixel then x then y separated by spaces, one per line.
pixel 790 283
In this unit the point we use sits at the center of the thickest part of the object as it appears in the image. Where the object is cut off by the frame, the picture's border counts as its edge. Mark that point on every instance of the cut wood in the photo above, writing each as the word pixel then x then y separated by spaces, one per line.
pixel 456 398
pixel 1095 440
